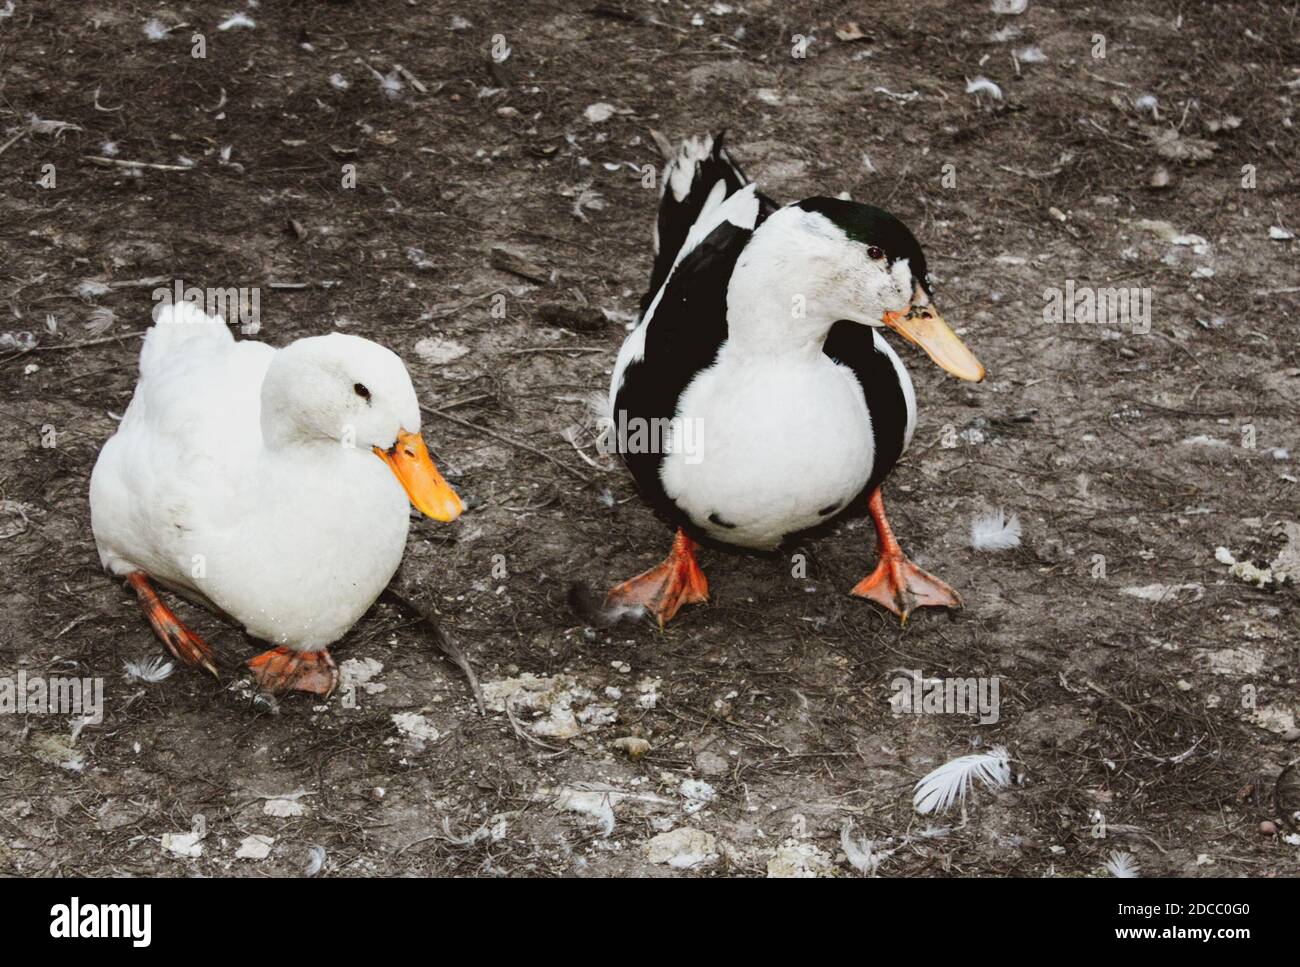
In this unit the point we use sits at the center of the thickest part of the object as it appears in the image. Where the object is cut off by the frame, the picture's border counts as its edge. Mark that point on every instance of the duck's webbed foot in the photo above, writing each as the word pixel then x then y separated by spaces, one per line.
pixel 664 589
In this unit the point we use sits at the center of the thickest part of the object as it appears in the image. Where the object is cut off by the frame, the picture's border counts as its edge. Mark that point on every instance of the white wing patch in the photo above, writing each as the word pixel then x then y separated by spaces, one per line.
pixel 741 210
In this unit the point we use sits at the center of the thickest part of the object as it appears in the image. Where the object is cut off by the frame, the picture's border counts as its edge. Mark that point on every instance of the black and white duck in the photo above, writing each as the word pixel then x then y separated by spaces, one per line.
pixel 756 397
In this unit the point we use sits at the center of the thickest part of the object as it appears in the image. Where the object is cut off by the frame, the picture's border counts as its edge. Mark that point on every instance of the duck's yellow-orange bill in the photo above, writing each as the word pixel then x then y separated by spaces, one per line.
pixel 410 463
pixel 925 327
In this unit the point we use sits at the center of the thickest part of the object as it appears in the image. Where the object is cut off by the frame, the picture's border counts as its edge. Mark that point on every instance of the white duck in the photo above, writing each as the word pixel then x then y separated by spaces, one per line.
pixel 264 484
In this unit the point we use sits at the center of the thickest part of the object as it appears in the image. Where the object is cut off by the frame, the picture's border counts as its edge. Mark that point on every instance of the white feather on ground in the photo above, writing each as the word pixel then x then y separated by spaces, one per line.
pixel 995 531
pixel 982 85
pixel 236 21
pixel 860 851
pixel 149 670
pixel 951 782
pixel 1122 865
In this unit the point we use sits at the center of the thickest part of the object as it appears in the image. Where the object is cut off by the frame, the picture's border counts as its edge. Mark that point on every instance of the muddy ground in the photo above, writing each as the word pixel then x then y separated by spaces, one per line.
pixel 1147 694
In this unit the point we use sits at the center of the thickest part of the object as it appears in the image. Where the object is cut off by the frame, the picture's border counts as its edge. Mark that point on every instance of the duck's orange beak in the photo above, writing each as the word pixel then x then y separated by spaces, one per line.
pixel 922 325
pixel 409 460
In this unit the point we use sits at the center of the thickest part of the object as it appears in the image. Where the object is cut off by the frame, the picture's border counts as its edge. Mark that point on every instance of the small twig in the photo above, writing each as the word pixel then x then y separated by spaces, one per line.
pixel 1106 80
pixel 14 140
pixel 75 345
pixel 1025 173
pixel 411 78
pixel 505 439
pixel 146 283
pixel 446 646
pixel 119 163
pixel 558 349
pixel 106 110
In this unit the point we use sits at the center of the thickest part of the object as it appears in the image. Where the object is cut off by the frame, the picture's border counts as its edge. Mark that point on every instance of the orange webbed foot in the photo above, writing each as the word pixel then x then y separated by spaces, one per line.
pixel 664 589
pixel 897 583
pixel 902 587
pixel 286 670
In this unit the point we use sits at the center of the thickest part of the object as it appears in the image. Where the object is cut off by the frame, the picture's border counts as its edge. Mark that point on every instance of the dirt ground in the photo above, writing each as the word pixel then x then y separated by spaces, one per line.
pixel 1148 693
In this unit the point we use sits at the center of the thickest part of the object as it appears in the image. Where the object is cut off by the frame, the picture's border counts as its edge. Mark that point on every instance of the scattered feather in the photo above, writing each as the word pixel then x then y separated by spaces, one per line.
pixel 1031 55
pixel 100 321
pixel 108 149
pixel 995 531
pixel 595 801
pixel 982 85
pixel 590 606
pixel 860 851
pixel 586 198
pixel 339 82
pixel 57 128
pixel 1010 8
pixel 91 288
pixel 236 22
pixel 951 782
pixel 1279 234
pixel 391 84
pixel 149 670
pixel 315 861
pixel 155 29
pixel 1122 865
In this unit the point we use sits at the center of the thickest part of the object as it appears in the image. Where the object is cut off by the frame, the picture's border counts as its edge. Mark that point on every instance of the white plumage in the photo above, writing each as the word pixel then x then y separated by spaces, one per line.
pixel 242 476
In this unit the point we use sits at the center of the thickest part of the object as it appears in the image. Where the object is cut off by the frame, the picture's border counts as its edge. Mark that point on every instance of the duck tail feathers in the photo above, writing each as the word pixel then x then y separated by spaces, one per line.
pixel 178 325
pixel 698 176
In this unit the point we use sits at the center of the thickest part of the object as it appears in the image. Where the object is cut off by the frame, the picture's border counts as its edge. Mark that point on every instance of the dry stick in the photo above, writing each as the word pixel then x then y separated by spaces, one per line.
pixel 446 646
pixel 117 162
pixel 505 439
pixel 75 345
pixel 411 78
pixel 14 140
pixel 558 349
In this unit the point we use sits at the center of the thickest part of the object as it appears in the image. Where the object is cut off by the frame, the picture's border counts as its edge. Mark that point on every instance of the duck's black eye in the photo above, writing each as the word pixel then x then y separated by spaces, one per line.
pixel 360 390
pixel 875 253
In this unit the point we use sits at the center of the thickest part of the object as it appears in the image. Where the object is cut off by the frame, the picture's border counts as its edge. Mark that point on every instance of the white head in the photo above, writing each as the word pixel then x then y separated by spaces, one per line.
pixel 340 388
pixel 353 392
pixel 846 260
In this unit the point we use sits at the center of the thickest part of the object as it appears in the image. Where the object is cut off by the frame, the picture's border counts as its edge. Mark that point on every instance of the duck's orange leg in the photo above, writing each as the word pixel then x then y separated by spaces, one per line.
pixel 664 589
pixel 286 670
pixel 897 583
pixel 184 644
